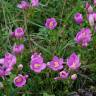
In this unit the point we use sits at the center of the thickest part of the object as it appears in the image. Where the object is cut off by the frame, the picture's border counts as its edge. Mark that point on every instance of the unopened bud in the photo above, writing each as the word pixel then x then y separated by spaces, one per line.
pixel 20 66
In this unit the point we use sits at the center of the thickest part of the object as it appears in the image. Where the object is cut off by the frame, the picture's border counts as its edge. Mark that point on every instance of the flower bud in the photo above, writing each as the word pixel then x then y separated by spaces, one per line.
pixel 89 8
pixel 78 18
pixel 94 1
pixel 20 66
pixel 74 76
pixel 64 74
pixel 91 20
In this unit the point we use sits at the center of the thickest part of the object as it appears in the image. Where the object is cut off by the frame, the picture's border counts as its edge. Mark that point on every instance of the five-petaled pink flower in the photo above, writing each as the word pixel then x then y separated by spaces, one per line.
pixel 51 23
pixel 56 63
pixel 73 61
pixel 83 37
pixel 20 80
pixel 37 64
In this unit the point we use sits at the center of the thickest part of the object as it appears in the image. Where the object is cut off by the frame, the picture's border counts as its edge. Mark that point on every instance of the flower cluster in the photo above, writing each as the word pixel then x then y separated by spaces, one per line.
pixel 57 64
pixel 91 14
pixel 17 49
pixel 84 36
pixel 25 5
pixel 65 68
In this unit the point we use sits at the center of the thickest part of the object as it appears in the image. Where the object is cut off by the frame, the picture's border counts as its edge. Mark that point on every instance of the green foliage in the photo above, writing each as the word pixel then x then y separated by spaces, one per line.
pixel 58 42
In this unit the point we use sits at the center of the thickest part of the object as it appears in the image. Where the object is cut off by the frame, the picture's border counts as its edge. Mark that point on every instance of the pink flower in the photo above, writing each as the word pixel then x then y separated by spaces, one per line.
pixel 64 74
pixel 23 5
pixel 83 37
pixel 73 61
pixel 18 33
pixel 5 70
pixel 35 3
pixel 94 2
pixel 7 64
pixel 37 64
pixel 56 63
pixel 18 49
pixel 74 76
pixel 2 61
pixel 9 60
pixel 51 23
pixel 91 19
pixel 94 15
pixel 20 80
pixel 89 8
pixel 78 18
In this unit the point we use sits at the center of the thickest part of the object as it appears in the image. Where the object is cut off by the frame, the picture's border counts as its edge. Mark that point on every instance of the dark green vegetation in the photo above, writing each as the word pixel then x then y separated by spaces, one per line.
pixel 58 42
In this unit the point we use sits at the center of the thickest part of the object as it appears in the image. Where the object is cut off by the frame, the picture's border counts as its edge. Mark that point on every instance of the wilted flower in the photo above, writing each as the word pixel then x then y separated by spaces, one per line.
pixel 20 80
pixel 23 5
pixel 89 8
pixel 18 49
pixel 74 76
pixel 37 64
pixel 73 61
pixel 51 23
pixel 78 18
pixel 83 37
pixel 35 3
pixel 56 64
pixel 18 33
pixel 91 19
pixel 64 74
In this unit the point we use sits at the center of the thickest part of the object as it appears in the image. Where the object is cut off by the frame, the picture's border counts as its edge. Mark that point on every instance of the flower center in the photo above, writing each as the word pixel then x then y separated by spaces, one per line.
pixel 19 79
pixel 73 65
pixel 83 34
pixel 37 65
pixel 51 24
pixel 56 64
